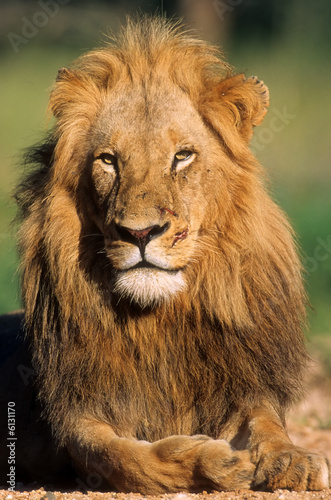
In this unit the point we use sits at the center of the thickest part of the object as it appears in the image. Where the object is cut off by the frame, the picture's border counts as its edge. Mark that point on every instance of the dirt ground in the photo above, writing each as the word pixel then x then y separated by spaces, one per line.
pixel 309 426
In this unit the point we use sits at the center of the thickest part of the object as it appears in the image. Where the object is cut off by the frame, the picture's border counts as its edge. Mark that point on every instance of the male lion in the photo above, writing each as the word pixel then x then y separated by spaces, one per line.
pixel 162 290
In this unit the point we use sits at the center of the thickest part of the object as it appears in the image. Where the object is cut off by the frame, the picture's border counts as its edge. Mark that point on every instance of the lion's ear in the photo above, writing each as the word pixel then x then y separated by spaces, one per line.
pixel 238 102
pixel 71 87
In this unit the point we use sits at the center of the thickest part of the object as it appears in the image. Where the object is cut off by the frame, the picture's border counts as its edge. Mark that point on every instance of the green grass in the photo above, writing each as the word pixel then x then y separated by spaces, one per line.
pixel 9 289
pixel 296 157
pixel 26 78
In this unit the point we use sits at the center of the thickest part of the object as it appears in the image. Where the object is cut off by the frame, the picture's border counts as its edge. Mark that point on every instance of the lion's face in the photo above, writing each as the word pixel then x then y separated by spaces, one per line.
pixel 152 175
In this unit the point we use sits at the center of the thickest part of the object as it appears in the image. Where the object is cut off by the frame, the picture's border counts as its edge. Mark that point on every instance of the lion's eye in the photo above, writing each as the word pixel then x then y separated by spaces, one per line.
pixel 108 162
pixel 182 159
pixel 183 155
pixel 107 158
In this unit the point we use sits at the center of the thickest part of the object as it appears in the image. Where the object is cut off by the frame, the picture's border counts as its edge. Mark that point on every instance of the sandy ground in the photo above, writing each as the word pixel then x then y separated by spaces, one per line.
pixel 309 426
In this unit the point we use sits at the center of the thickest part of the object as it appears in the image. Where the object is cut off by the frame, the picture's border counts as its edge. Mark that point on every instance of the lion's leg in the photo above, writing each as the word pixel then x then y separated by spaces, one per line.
pixel 279 463
pixel 176 463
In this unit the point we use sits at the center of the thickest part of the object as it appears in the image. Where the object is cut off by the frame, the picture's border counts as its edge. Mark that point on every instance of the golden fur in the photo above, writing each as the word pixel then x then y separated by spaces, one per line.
pixel 205 339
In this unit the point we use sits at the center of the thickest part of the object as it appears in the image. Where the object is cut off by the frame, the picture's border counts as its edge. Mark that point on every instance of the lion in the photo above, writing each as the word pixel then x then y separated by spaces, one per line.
pixel 162 288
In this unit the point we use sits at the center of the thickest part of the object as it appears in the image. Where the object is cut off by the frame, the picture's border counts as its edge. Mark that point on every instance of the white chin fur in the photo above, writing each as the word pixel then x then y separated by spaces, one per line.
pixel 148 287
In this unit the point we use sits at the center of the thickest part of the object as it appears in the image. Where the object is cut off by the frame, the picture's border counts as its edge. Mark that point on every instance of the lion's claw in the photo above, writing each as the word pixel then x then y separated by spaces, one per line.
pixel 293 469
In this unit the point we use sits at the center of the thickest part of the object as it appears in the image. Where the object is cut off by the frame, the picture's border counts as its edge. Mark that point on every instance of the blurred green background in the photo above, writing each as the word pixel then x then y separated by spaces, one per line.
pixel 285 42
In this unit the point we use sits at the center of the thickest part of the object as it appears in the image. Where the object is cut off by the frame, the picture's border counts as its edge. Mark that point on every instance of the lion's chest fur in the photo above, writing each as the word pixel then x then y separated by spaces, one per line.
pixel 163 378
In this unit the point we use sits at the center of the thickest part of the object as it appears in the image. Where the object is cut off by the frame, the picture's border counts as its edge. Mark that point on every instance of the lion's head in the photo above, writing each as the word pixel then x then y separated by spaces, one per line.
pixel 150 145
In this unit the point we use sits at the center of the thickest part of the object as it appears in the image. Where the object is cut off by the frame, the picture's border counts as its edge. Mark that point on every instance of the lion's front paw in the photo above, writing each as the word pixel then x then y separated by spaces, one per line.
pixel 224 468
pixel 199 462
pixel 294 469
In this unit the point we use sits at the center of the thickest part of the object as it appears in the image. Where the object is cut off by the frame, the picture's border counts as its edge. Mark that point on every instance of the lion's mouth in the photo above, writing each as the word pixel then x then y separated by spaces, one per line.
pixel 144 264
pixel 149 285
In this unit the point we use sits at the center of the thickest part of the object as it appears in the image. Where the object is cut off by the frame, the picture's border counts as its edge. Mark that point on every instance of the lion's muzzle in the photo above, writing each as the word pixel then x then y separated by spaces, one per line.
pixel 140 237
pixel 145 269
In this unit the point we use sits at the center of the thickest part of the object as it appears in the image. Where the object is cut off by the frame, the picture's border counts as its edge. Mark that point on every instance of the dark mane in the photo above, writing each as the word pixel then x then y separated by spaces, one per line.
pixel 37 162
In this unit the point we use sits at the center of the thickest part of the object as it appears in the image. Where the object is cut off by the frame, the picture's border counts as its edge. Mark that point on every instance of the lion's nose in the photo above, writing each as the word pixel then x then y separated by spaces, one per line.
pixel 140 237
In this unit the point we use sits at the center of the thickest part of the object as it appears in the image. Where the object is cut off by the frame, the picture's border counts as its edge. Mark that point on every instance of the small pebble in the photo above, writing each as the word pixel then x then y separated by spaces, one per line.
pixel 49 495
